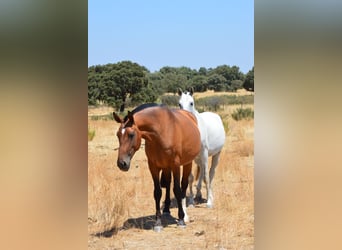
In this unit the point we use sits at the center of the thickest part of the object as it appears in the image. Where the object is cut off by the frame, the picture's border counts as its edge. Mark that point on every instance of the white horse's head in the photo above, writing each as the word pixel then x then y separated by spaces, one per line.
pixel 186 100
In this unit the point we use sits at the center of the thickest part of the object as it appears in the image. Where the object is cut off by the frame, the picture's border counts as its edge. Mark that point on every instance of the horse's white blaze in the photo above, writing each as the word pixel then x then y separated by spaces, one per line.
pixel 212 140
pixel 123 131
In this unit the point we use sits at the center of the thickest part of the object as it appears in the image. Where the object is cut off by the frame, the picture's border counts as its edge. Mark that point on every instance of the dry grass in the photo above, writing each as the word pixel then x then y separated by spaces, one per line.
pixel 106 206
pixel 122 203
pixel 239 92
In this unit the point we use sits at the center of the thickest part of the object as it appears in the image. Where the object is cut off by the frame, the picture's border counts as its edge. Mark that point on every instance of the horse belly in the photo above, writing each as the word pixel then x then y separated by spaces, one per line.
pixel 161 158
pixel 191 147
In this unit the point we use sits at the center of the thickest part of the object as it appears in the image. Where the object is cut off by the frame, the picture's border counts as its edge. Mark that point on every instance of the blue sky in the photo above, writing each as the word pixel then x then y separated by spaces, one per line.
pixel 157 33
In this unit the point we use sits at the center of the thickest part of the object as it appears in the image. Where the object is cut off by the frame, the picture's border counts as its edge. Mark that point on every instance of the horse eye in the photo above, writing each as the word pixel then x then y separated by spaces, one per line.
pixel 131 135
pixel 191 103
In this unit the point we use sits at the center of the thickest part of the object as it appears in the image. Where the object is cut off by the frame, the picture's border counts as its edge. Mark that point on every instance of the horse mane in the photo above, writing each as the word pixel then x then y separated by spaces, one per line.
pixel 142 107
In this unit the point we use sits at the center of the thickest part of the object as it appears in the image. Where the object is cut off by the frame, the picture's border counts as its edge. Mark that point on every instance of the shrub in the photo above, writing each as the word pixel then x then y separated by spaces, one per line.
pixel 102 117
pixel 170 100
pixel 243 113
pixel 91 134
pixel 214 103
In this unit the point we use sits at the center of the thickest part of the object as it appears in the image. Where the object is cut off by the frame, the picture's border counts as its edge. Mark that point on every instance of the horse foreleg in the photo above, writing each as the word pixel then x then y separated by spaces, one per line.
pixel 214 163
pixel 200 174
pixel 178 194
pixel 157 196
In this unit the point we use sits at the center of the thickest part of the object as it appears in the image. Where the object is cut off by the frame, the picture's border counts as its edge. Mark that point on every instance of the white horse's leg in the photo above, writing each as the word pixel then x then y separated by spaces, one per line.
pixel 206 178
pixel 214 163
pixel 191 195
pixel 200 179
pixel 203 173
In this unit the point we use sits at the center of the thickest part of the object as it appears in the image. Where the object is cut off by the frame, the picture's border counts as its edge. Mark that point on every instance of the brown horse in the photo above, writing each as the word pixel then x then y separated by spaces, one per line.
pixel 172 139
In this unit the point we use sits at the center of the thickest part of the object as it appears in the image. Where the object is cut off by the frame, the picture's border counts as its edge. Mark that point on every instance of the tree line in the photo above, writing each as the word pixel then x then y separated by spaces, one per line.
pixel 128 83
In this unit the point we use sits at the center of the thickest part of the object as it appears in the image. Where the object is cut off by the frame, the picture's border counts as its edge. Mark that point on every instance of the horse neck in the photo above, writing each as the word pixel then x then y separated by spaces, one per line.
pixel 147 123
pixel 195 112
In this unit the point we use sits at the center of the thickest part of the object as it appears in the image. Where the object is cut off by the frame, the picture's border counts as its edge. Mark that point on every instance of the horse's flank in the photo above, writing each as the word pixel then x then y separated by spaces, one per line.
pixel 161 128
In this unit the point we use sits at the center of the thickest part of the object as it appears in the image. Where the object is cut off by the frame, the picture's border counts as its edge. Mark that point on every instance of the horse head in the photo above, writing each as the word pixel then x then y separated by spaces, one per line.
pixel 129 140
pixel 186 100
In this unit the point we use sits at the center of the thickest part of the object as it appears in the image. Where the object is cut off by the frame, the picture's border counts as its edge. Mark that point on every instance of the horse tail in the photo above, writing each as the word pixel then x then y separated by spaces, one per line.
pixel 165 178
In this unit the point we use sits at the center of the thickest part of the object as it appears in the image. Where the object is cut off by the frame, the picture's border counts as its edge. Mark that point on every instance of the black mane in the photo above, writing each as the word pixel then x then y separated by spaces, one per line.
pixel 142 107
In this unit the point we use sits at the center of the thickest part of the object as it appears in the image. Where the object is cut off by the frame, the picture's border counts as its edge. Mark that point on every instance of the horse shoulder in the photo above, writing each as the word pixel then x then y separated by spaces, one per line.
pixel 184 113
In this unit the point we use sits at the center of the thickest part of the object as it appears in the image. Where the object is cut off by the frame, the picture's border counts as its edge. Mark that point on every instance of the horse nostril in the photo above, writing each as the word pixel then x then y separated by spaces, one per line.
pixel 123 165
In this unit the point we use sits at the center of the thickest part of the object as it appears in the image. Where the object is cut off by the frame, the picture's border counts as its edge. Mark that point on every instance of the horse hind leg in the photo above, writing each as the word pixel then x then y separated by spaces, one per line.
pixel 165 182
pixel 214 163
pixel 180 192
pixel 203 174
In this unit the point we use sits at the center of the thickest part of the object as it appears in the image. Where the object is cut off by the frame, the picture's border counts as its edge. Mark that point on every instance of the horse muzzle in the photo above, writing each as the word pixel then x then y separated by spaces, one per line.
pixel 124 164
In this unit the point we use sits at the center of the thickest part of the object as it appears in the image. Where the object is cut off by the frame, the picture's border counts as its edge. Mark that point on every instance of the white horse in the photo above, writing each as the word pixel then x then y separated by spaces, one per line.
pixel 212 140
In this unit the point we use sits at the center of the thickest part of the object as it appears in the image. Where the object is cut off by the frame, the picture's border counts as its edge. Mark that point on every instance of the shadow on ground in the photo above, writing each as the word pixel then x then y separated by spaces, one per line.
pixel 145 222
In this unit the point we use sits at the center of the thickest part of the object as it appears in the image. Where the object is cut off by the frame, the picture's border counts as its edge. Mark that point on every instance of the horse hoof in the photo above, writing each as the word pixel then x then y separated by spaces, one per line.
pixel 209 205
pixel 186 218
pixel 198 199
pixel 181 224
pixel 191 201
pixel 157 228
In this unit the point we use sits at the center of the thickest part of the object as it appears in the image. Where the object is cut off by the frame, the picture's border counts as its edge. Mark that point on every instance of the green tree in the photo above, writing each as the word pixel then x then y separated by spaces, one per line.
pixel 248 84
pixel 115 83
pixel 232 75
pixel 217 82
pixel 199 83
pixel 202 71
pixel 129 78
pixel 235 85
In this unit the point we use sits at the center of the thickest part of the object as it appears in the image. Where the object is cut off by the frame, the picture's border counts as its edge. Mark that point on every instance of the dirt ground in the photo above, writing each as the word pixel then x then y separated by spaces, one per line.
pixel 121 205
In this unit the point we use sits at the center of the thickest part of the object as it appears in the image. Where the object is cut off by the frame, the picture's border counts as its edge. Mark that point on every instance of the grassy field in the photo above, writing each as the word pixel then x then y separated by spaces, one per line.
pixel 121 205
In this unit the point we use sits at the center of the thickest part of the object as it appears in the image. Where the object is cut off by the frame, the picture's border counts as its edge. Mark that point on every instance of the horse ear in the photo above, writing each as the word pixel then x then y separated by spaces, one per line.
pixel 180 91
pixel 117 118
pixel 130 118
pixel 192 91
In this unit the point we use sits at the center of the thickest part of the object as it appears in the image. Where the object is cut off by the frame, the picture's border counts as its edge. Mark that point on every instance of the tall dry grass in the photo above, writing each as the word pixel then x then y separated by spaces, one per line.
pixel 107 199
